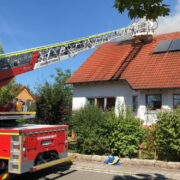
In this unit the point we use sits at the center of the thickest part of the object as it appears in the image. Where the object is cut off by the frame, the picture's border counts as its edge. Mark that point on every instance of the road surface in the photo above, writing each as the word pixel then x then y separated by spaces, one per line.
pixel 78 173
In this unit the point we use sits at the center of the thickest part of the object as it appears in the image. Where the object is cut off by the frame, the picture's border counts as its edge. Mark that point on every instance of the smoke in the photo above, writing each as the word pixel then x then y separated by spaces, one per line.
pixel 169 24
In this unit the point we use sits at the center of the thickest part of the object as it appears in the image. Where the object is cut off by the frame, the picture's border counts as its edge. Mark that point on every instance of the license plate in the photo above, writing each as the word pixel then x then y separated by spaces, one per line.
pixel 46 143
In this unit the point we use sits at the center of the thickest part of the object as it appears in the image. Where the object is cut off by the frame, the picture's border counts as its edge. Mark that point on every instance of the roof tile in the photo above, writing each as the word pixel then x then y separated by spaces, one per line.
pixel 144 71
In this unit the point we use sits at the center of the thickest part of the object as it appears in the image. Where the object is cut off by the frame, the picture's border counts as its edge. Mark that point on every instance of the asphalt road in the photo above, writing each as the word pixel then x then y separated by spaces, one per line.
pixel 68 173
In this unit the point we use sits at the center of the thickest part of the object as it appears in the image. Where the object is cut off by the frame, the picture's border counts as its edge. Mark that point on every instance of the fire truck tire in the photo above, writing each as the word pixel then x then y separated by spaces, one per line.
pixel 3 166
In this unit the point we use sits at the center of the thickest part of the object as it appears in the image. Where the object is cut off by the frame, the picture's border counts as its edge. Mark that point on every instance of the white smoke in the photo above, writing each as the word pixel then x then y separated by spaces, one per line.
pixel 170 23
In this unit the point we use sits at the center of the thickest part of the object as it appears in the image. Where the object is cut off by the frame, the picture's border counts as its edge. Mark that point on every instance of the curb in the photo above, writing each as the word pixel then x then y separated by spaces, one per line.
pixel 134 162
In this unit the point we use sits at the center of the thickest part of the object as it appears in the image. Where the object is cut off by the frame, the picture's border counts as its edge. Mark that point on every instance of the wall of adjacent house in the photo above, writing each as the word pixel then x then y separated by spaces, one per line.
pixel 24 95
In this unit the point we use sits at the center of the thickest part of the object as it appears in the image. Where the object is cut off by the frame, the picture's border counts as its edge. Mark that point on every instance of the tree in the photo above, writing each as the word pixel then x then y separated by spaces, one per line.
pixel 151 9
pixel 1 48
pixel 9 92
pixel 54 100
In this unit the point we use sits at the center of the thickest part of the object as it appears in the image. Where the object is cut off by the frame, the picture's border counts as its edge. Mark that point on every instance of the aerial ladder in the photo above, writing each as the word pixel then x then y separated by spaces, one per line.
pixel 23 142
pixel 12 64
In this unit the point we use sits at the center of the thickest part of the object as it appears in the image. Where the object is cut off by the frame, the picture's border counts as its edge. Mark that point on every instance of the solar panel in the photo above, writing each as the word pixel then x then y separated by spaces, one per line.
pixel 162 46
pixel 175 46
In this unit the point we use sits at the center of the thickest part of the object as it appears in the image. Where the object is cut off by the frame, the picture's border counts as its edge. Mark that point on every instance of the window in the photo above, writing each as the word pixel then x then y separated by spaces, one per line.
pixel 110 103
pixel 103 102
pixel 28 102
pixel 135 103
pixel 90 101
pixel 153 102
pixel 100 102
pixel 176 100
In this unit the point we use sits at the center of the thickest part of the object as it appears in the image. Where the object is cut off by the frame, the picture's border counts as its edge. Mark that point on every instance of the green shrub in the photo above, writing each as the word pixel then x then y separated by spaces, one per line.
pixel 27 121
pixel 32 107
pixel 126 135
pixel 167 135
pixel 104 133
pixel 88 124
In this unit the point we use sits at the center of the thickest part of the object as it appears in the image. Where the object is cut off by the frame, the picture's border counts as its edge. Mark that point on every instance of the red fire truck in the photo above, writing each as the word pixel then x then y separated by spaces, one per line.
pixel 29 148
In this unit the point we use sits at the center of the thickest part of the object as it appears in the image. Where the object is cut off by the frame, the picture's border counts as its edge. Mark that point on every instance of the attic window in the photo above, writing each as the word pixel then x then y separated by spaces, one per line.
pixel 167 46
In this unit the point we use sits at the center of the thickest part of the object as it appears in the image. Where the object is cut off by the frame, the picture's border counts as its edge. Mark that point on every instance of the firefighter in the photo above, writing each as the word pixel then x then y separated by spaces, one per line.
pixel 19 105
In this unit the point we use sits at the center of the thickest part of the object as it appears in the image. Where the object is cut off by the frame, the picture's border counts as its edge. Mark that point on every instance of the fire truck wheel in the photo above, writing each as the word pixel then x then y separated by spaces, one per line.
pixel 3 166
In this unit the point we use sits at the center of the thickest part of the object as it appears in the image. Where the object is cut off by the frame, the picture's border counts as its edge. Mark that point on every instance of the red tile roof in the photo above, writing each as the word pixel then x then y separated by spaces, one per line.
pixel 144 70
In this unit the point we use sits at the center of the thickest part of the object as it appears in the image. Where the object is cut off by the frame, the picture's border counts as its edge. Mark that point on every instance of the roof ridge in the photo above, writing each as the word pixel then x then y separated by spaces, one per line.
pixel 166 34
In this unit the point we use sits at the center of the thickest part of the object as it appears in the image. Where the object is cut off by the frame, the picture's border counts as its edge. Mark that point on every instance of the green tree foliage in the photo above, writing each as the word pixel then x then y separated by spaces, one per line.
pixel 166 135
pixel 151 9
pixel 54 100
pixel 9 92
pixel 1 48
pixel 104 133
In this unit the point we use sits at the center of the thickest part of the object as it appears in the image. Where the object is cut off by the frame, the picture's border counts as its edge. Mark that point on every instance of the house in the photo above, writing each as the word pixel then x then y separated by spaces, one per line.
pixel 142 75
pixel 25 96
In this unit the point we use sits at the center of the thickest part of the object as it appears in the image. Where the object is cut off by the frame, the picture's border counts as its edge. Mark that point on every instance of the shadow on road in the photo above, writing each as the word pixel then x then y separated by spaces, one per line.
pixel 51 173
pixel 141 177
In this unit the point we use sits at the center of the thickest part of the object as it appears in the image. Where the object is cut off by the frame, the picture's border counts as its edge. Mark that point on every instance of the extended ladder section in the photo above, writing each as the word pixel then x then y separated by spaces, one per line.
pixel 12 64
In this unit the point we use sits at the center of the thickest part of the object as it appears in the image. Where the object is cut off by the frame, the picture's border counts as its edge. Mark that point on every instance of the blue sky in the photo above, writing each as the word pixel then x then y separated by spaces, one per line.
pixel 28 24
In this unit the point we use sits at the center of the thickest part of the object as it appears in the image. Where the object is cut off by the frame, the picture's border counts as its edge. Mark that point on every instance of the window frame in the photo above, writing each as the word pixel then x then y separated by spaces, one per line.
pixel 105 101
pixel 133 109
pixel 173 99
pixel 87 100
pixel 146 102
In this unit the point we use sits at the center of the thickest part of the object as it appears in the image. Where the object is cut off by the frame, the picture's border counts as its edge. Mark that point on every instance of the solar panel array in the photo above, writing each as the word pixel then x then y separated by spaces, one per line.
pixel 167 45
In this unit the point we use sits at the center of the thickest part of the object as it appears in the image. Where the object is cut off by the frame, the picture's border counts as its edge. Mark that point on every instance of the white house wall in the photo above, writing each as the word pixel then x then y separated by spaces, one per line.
pixel 167 103
pixel 120 90
pixel 123 94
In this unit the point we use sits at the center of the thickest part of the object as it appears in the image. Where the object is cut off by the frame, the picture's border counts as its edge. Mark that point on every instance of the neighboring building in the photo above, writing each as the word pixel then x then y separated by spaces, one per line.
pixel 25 95
pixel 144 76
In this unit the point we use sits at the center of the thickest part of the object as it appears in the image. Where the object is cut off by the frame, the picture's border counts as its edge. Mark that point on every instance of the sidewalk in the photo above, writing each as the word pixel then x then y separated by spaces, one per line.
pixel 124 170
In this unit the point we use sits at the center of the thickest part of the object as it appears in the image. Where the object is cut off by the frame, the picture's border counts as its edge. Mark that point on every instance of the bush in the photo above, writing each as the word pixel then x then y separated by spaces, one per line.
pixel 104 133
pixel 166 134
pixel 88 124
pixel 126 136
